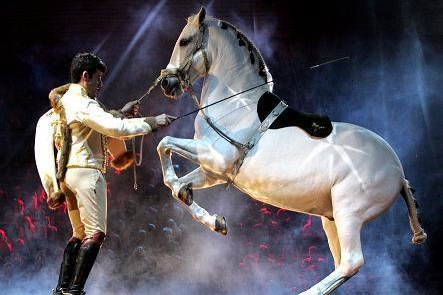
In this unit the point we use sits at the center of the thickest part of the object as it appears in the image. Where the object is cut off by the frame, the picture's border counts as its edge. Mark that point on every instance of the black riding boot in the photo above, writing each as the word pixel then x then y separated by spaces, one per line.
pixel 85 260
pixel 67 266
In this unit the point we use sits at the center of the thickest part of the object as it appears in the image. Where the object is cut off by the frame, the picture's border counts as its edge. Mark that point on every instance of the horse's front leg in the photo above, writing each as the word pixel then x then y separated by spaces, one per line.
pixel 200 152
pixel 182 188
pixel 170 177
pixel 201 179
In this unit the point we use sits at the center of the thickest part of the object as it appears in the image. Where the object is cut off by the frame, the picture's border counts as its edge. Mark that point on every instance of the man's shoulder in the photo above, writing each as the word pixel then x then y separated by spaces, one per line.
pixel 75 98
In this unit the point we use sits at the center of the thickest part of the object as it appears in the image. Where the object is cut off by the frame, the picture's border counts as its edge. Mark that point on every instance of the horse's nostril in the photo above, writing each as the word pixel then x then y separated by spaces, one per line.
pixel 164 83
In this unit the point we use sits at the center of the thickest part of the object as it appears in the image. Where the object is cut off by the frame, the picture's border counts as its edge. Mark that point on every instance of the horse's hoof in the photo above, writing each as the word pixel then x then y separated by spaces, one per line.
pixel 185 194
pixel 220 225
pixel 420 237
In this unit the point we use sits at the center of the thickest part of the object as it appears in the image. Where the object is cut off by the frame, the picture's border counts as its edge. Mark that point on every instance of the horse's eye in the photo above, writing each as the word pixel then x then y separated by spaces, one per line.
pixel 185 41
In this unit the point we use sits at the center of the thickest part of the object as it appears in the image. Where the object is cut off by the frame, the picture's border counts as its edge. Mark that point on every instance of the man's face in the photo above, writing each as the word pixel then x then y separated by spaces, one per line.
pixel 94 84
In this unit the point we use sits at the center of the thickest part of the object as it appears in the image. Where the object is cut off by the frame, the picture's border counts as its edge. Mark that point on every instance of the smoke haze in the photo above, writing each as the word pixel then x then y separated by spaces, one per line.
pixel 391 84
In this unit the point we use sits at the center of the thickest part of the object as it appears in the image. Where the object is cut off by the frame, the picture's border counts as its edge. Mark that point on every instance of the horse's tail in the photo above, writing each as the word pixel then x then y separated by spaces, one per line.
pixel 414 221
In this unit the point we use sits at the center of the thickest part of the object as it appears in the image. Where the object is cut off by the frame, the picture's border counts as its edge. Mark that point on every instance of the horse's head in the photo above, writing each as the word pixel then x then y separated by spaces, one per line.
pixel 189 58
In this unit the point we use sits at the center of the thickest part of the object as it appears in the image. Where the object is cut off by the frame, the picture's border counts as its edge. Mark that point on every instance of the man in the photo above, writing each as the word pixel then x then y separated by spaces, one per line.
pixel 83 133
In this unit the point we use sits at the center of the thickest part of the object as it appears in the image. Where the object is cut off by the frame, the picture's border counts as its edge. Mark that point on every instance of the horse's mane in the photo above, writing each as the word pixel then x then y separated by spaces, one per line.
pixel 243 40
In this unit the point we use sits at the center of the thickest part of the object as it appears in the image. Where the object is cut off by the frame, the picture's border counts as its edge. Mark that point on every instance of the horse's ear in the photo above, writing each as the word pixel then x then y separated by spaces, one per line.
pixel 201 15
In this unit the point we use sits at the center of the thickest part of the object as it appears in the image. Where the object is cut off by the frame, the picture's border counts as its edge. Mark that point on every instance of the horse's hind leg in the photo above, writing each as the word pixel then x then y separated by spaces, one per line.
pixel 418 232
pixel 351 255
pixel 332 236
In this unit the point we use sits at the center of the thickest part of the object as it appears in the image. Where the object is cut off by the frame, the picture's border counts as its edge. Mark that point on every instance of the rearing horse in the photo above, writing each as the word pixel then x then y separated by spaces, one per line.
pixel 347 176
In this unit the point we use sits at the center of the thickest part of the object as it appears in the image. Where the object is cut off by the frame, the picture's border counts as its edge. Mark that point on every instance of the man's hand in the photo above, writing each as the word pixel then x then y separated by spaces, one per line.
pixel 56 200
pixel 164 119
pixel 131 109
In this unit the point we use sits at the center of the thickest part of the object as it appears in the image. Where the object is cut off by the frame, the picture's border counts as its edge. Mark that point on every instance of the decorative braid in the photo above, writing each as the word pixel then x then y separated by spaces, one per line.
pixel 63 141
pixel 252 49
pixel 62 132
pixel 104 144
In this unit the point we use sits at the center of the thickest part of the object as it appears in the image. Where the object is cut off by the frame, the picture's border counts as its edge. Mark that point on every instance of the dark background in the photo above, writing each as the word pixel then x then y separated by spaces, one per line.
pixel 390 83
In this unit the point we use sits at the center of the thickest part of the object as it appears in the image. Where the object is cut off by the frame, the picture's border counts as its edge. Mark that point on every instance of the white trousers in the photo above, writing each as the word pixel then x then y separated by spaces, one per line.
pixel 87 208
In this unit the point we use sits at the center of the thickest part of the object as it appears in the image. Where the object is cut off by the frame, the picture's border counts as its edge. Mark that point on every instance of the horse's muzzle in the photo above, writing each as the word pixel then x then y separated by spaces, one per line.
pixel 171 86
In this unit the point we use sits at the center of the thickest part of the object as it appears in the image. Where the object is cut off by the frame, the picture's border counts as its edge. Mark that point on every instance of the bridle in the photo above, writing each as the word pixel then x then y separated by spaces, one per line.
pixel 182 71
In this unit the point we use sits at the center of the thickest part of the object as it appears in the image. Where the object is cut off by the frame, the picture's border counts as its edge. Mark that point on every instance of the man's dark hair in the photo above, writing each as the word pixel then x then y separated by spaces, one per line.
pixel 88 62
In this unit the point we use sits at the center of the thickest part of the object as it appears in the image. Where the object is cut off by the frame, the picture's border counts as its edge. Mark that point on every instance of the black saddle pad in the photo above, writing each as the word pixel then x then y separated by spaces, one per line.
pixel 314 124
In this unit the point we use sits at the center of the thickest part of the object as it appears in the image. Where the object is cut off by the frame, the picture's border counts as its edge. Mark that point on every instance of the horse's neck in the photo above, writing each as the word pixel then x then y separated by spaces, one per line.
pixel 234 69
pixel 233 86
pixel 231 71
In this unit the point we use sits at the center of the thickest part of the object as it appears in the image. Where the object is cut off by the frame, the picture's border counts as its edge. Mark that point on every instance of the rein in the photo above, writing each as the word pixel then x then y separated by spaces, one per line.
pixel 134 154
pixel 221 100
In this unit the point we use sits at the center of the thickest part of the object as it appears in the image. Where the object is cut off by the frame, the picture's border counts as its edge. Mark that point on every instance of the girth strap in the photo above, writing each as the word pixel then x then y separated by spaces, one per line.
pixel 264 126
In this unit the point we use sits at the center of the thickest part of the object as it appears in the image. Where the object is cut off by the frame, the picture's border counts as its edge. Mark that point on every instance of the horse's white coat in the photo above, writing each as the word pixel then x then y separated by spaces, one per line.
pixel 348 178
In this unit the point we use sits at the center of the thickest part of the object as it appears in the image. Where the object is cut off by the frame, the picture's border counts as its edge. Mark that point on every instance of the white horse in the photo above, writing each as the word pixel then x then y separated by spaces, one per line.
pixel 346 175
